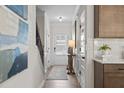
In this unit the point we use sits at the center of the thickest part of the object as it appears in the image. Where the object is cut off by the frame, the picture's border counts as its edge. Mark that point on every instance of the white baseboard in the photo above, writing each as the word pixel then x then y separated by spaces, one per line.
pixel 43 81
pixel 42 84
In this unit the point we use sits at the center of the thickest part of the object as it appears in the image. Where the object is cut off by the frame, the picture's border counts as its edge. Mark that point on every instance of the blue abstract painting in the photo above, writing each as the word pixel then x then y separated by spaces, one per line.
pixel 21 10
pixel 23 32
pixel 13 49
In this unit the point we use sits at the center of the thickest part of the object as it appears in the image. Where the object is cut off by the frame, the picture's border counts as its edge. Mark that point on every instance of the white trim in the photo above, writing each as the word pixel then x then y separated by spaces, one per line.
pixel 42 84
pixel 75 13
pixel 45 78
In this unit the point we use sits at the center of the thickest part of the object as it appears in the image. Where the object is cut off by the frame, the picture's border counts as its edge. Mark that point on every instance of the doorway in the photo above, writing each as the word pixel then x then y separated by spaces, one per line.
pixel 60 49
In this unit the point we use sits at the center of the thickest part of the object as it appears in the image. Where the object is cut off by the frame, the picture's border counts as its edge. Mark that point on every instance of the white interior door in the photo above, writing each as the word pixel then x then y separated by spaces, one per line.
pixel 60 49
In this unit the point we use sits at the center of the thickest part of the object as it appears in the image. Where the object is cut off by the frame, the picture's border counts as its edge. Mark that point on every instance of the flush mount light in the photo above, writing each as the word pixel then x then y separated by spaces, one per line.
pixel 60 18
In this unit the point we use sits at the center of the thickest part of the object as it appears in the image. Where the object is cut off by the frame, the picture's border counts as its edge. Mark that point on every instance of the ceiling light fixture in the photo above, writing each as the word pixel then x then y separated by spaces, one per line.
pixel 60 18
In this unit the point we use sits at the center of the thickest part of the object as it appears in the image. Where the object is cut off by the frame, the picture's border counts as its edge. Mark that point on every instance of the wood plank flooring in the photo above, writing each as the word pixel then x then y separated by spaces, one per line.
pixel 71 82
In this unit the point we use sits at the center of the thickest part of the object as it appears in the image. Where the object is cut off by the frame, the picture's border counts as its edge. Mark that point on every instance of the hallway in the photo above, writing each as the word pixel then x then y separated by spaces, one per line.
pixel 55 36
pixel 65 34
pixel 55 82
pixel 38 42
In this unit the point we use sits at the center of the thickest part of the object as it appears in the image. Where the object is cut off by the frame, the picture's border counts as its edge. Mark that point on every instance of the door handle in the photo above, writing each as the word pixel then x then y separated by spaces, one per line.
pixel 54 49
pixel 120 68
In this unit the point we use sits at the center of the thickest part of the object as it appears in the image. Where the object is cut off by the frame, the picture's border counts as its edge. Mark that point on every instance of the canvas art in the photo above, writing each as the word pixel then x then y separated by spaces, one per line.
pixel 13 40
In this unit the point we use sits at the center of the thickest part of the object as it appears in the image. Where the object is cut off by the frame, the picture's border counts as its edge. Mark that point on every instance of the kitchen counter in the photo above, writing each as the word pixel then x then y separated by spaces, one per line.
pixel 109 74
pixel 113 61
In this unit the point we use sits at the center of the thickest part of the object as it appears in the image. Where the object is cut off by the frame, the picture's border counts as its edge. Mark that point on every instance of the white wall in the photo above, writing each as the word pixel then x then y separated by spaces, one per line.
pixel 59 27
pixel 32 76
pixel 89 46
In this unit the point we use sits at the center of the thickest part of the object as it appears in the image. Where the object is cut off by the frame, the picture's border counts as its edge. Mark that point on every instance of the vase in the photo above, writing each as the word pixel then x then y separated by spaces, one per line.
pixel 105 55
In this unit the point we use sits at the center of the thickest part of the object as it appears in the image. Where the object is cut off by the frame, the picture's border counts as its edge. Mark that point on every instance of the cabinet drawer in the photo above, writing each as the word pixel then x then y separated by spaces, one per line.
pixel 114 68
pixel 114 80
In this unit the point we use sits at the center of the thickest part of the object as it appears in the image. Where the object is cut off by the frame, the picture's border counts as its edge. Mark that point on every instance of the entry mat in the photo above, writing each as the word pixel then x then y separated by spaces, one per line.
pixel 57 73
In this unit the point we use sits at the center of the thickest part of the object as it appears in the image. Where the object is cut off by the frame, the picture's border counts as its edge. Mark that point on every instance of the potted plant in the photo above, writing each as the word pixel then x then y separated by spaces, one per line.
pixel 104 49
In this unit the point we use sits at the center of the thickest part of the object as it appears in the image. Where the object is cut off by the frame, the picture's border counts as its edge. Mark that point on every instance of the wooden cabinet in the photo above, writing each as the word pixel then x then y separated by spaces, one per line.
pixel 109 21
pixel 108 75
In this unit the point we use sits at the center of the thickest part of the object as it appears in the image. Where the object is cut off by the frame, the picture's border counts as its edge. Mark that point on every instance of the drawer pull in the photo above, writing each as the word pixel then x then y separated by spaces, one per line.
pixel 120 68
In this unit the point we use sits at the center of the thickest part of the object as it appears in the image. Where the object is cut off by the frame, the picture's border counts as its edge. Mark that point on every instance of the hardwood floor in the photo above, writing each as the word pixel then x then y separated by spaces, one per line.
pixel 71 82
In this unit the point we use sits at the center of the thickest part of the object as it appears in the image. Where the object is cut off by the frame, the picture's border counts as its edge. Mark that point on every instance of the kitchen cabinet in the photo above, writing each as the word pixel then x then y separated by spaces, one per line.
pixel 109 21
pixel 108 75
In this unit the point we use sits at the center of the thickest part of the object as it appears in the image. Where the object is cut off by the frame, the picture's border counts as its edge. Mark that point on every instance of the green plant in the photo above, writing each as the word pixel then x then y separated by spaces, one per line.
pixel 104 47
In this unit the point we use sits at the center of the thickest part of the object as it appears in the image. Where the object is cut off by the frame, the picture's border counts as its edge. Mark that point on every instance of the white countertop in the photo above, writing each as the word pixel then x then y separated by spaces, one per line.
pixel 113 61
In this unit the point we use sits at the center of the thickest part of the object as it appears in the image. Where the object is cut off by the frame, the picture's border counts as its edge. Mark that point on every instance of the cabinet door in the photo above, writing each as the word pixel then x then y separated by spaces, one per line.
pixel 114 80
pixel 109 21
pixel 98 75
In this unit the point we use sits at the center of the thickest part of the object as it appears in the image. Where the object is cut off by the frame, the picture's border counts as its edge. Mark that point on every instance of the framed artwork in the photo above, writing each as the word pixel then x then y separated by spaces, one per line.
pixel 21 10
pixel 13 45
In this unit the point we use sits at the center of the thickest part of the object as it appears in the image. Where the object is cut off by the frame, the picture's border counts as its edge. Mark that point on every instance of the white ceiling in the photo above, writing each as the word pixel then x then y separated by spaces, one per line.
pixel 54 11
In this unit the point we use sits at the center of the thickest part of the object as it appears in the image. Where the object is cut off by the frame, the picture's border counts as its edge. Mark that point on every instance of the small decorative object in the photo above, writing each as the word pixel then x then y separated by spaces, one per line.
pixel 104 50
